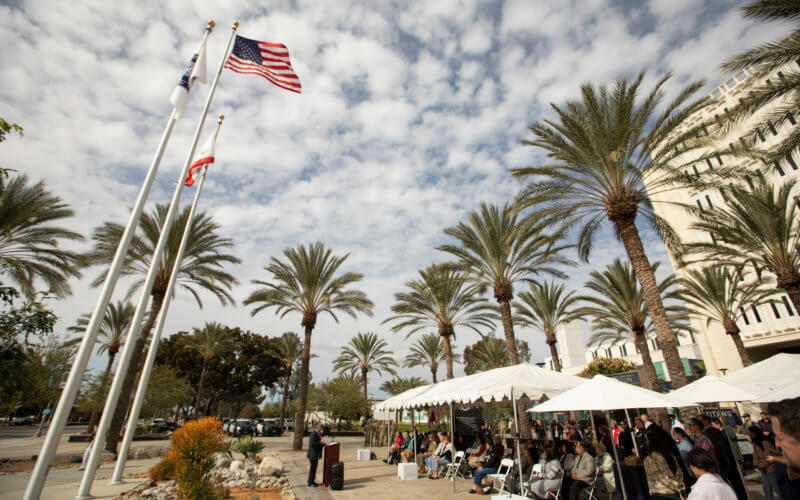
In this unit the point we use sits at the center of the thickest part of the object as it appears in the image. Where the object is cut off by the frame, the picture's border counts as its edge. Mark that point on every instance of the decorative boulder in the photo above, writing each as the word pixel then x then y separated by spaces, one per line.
pixel 236 466
pixel 222 460
pixel 270 466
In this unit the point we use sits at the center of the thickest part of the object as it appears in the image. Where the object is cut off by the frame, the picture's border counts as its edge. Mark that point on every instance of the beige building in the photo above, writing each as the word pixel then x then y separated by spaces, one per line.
pixel 767 328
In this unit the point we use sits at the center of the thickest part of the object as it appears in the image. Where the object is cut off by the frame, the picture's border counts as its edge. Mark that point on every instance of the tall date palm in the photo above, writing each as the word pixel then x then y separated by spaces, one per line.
pixel 546 306
pixel 441 298
pixel 365 353
pixel 309 283
pixel 428 351
pixel 288 351
pixel 202 268
pixel 604 149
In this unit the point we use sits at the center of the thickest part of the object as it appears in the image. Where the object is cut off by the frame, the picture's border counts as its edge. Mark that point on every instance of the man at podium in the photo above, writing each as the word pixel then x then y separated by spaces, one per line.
pixel 315 444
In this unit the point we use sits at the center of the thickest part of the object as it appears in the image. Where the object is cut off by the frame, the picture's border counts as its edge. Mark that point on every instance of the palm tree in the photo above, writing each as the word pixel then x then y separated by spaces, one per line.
pixel 607 152
pixel 365 353
pixel 399 385
pixel 780 96
pixel 201 268
pixel 620 311
pixel 498 250
pixel 761 226
pixel 112 334
pixel 720 293
pixel 289 349
pixel 545 307
pixel 441 298
pixel 428 350
pixel 209 342
pixel 307 283
pixel 31 245
pixel 490 354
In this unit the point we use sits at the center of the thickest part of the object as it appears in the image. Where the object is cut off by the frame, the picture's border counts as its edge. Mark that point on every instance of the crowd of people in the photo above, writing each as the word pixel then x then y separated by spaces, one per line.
pixel 699 460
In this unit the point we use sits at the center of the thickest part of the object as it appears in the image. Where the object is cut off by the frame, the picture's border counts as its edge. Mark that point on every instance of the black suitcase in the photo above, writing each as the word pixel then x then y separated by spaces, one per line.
pixel 337 476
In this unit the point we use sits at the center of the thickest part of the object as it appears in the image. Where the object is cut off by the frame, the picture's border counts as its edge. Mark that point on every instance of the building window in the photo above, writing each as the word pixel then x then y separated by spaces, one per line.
pixel 778 168
pixel 710 166
pixel 696 172
pixel 624 350
pixel 771 127
pixel 788 307
pixel 790 116
pixel 719 159
pixel 749 181
pixel 755 313
pixel 708 199
pixel 780 75
pixel 744 316
pixel 775 310
pixel 760 135
pixel 724 194
pixel 691 336
pixel 700 205
pixel 791 161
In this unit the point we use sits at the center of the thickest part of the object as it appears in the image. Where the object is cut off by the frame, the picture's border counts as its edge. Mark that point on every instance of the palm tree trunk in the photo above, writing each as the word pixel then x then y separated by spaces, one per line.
pixel 629 234
pixel 733 331
pixel 448 357
pixel 508 330
pixel 95 416
pixel 285 399
pixel 364 383
pixel 112 437
pixel 551 341
pixel 200 386
pixel 433 372
pixel 649 369
pixel 300 416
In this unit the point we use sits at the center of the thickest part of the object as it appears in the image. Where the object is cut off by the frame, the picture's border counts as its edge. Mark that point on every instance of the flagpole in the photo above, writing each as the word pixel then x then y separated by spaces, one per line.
pixel 136 323
pixel 138 401
pixel 65 402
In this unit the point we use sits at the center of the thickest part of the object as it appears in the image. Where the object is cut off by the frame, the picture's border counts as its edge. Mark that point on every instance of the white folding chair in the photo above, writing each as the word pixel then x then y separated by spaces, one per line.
pixel 593 490
pixel 500 476
pixel 454 467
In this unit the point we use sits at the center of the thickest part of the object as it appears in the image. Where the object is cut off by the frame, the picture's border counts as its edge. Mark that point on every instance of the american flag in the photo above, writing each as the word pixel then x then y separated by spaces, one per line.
pixel 270 60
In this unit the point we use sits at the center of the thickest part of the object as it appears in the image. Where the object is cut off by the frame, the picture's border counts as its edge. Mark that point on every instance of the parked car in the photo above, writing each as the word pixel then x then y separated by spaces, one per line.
pixel 269 427
pixel 161 425
pixel 288 424
pixel 242 426
pixel 22 421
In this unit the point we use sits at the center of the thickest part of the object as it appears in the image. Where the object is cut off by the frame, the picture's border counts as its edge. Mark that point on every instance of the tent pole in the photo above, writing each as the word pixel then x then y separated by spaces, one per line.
pixel 452 442
pixel 594 428
pixel 621 484
pixel 515 436
pixel 633 434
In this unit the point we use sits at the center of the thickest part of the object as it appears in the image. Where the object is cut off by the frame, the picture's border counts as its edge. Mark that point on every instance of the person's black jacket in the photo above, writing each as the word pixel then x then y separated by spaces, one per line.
pixel 492 460
pixel 314 446
pixel 722 451
pixel 626 443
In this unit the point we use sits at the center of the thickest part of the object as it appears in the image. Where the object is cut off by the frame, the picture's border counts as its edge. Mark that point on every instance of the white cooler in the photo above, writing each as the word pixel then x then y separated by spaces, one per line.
pixel 364 455
pixel 407 471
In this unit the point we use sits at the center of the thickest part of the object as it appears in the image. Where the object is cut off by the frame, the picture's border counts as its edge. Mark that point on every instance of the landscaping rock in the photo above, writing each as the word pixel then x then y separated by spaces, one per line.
pixel 222 460
pixel 236 466
pixel 270 466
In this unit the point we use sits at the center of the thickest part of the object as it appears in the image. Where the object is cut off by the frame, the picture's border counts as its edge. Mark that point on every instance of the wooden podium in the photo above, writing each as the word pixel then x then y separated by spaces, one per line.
pixel 331 457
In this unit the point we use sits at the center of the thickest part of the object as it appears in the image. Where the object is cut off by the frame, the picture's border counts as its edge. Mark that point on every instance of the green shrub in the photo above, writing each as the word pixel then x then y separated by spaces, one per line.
pixel 247 446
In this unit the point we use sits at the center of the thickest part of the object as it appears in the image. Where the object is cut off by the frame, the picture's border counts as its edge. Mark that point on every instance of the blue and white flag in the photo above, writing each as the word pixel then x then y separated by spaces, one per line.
pixel 196 70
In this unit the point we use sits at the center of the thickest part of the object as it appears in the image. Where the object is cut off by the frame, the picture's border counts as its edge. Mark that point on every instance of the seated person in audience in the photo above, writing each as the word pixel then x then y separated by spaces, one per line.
pixel 567 459
pixel 426 448
pixel 498 446
pixel 474 460
pixel 489 466
pixel 529 455
pixel 605 467
pixel 550 477
pixel 394 450
pixel 408 453
pixel 443 455
pixel 582 472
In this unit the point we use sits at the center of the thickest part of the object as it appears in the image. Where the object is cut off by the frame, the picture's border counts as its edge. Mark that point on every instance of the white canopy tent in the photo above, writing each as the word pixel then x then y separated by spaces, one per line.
pixel 772 374
pixel 397 402
pixel 788 392
pixel 711 389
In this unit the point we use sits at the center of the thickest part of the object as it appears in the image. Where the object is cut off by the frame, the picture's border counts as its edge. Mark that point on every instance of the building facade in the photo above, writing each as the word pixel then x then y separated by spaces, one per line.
pixel 766 328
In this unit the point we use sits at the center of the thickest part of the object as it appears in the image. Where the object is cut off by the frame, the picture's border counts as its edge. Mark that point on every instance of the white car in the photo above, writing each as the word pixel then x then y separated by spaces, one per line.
pixel 288 424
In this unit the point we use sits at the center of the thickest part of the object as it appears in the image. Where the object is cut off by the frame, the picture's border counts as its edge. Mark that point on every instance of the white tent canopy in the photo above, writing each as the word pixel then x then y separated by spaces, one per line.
pixel 711 389
pixel 396 402
pixel 526 381
pixel 604 393
pixel 772 374
pixel 788 392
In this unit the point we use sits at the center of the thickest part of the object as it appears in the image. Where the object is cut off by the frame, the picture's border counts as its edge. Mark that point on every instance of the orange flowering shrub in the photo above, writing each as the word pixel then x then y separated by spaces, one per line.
pixel 165 469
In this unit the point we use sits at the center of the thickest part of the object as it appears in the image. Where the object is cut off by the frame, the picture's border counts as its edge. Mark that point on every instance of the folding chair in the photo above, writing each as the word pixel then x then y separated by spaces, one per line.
pixel 526 485
pixel 592 492
pixel 502 472
pixel 454 467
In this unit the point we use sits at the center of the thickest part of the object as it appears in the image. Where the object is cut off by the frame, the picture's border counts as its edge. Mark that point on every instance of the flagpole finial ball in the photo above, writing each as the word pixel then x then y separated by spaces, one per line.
pixel 221 117
pixel 211 23
pixel 235 24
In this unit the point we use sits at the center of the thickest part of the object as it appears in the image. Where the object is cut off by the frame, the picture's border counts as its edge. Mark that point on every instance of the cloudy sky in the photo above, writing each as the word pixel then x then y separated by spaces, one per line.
pixel 410 116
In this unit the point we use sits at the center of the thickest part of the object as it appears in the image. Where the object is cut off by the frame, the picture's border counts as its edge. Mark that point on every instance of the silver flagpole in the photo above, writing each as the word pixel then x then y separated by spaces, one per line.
pixel 144 380
pixel 136 323
pixel 36 483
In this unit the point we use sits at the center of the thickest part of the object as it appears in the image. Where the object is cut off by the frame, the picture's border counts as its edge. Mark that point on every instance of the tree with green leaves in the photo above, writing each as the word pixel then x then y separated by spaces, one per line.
pixel 399 385
pixel 365 353
pixel 610 152
pixel 619 311
pixel 210 341
pixel 721 293
pixel 309 283
pixel 165 390
pixel 288 351
pixel 113 330
pixel 760 226
pixel 202 268
pixel 32 244
pixel 546 306
pixel 441 298
pixel 339 397
pixel 773 98
pixel 608 366
pixel 6 127
pixel 490 352
pixel 428 351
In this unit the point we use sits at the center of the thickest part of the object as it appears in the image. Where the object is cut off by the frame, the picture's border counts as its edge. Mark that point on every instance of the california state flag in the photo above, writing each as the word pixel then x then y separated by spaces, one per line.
pixel 205 157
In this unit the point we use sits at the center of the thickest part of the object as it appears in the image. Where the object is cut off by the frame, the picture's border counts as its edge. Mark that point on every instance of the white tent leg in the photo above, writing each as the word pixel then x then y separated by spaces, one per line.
pixel 621 484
